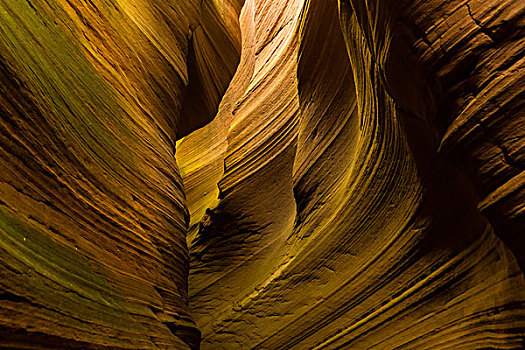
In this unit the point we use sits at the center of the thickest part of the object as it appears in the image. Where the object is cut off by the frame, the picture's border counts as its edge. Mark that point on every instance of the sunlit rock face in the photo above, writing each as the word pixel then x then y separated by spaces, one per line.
pixel 262 174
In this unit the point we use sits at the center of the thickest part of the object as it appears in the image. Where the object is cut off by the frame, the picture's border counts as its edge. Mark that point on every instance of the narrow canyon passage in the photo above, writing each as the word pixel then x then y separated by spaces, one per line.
pixel 322 214
pixel 262 174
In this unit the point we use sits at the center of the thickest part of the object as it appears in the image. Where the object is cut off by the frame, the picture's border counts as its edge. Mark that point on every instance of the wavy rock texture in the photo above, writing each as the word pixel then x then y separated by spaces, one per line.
pixel 327 208
pixel 356 184
pixel 93 215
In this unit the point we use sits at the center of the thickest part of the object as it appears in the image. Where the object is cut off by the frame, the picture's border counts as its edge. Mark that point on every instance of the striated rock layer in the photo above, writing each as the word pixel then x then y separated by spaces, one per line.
pixel 332 207
pixel 92 211
pixel 262 174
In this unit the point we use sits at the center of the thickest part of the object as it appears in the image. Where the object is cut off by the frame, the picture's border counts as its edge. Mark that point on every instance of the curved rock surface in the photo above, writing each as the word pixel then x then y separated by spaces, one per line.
pixel 262 174
pixel 93 215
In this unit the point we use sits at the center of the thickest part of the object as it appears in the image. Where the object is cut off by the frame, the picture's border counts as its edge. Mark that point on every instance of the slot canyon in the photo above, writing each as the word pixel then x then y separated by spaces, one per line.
pixel 262 174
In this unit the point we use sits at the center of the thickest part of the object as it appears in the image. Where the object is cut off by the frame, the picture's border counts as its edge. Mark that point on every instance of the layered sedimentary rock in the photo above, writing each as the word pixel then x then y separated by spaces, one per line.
pixel 93 215
pixel 356 184
pixel 385 246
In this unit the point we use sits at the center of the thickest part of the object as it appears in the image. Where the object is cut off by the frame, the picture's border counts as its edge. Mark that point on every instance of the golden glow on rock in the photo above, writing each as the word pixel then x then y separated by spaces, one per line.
pixel 261 174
